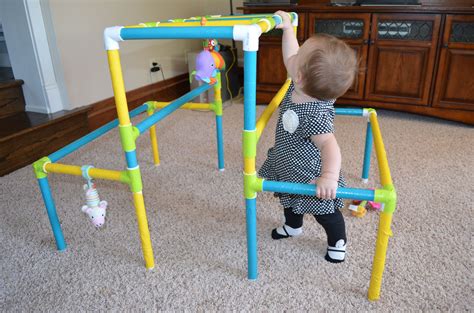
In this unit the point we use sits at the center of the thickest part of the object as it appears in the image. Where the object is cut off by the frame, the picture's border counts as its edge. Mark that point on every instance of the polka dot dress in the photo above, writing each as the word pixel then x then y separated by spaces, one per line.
pixel 294 157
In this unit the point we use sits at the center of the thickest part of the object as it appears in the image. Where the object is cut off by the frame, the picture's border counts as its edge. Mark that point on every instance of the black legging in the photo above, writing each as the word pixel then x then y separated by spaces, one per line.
pixel 332 223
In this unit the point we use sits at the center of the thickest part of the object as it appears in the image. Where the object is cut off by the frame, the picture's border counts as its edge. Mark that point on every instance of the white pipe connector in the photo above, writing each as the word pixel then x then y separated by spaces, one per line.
pixel 112 37
pixel 249 35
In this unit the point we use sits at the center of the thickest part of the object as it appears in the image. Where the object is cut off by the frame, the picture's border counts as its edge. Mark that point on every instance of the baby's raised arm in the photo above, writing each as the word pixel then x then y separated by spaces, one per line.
pixel 289 44
pixel 331 165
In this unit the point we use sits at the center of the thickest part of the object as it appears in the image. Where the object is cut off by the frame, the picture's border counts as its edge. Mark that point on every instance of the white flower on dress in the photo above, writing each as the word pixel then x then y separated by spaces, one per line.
pixel 290 121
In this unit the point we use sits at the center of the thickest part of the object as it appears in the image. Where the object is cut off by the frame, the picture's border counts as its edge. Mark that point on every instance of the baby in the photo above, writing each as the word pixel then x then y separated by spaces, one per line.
pixel 306 150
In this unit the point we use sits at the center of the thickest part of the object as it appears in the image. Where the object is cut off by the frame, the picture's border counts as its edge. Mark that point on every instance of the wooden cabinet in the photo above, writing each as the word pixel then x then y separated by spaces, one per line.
pixel 352 29
pixel 271 71
pixel 455 78
pixel 402 57
pixel 413 59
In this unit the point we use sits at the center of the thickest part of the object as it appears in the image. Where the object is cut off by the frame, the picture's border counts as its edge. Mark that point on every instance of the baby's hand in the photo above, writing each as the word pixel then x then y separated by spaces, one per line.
pixel 286 21
pixel 325 188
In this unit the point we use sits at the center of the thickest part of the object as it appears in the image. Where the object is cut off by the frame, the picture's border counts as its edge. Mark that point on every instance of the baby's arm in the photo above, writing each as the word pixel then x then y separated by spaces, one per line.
pixel 331 165
pixel 289 43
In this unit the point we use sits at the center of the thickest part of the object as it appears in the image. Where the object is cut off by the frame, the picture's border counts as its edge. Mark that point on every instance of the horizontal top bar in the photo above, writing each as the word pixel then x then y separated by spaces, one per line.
pixel 196 32
pixel 213 20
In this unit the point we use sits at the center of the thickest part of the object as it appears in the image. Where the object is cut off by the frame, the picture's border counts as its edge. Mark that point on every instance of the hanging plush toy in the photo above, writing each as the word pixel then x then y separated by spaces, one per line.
pixel 94 208
pixel 208 63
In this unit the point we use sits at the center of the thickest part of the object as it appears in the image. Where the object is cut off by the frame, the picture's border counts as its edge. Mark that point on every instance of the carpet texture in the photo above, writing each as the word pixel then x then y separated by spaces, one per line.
pixel 197 222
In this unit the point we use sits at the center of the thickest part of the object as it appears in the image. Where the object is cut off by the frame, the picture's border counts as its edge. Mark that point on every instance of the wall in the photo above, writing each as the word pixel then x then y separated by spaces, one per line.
pixel 78 27
pixel 4 60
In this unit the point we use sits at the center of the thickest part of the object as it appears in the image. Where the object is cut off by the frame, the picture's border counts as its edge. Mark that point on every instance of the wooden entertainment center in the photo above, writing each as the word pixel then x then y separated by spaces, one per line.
pixel 417 59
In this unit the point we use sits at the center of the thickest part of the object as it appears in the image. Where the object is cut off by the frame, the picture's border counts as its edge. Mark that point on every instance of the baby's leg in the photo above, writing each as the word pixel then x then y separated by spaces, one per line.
pixel 293 225
pixel 336 232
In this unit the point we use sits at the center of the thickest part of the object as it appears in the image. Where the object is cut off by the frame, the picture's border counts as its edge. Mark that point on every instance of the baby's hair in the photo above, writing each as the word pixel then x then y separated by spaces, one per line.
pixel 330 68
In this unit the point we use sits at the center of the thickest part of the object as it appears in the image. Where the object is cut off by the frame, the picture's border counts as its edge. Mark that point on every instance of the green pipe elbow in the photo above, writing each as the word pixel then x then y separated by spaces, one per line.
pixel 38 167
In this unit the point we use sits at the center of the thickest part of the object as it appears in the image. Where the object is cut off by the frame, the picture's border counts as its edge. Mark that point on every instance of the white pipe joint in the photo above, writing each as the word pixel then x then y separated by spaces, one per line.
pixel 112 37
pixel 249 35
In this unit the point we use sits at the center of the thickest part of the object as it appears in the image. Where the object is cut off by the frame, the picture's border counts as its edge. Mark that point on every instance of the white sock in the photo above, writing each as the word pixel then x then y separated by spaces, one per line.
pixel 339 251
pixel 290 230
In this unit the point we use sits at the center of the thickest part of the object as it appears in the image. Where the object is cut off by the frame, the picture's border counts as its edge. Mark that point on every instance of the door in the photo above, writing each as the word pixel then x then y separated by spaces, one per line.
pixel 352 29
pixel 455 79
pixel 402 57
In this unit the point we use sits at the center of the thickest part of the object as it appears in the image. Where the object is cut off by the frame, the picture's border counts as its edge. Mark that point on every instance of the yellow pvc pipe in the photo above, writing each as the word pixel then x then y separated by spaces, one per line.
pixel 188 106
pixel 143 229
pixel 197 23
pixel 271 107
pixel 249 165
pixel 97 173
pixel 217 89
pixel 154 142
pixel 210 21
pixel 264 25
pixel 378 263
pixel 118 87
pixel 385 177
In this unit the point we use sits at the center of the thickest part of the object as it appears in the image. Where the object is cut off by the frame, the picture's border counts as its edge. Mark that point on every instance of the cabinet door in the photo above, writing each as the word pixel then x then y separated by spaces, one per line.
pixel 354 30
pixel 455 79
pixel 271 69
pixel 402 56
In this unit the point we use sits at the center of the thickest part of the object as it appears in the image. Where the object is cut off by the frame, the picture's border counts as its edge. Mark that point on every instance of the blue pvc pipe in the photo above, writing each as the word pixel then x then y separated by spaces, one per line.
pixel 350 111
pixel 367 151
pixel 197 32
pixel 250 88
pixel 131 158
pixel 220 142
pixel 61 153
pixel 170 108
pixel 251 219
pixel 310 190
pixel 52 215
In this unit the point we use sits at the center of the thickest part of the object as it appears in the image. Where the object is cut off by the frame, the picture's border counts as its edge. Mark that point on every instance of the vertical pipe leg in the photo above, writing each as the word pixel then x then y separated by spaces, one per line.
pixel 378 264
pixel 128 136
pixel 218 111
pixel 251 213
pixel 249 148
pixel 367 153
pixel 220 143
pixel 52 215
pixel 154 142
pixel 143 229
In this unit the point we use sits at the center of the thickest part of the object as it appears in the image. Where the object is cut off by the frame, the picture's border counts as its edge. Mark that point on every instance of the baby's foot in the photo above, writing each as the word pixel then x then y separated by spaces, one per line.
pixel 336 254
pixel 286 231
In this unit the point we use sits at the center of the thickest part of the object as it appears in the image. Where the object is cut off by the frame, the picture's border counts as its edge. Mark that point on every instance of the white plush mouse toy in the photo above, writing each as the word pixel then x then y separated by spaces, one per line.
pixel 95 208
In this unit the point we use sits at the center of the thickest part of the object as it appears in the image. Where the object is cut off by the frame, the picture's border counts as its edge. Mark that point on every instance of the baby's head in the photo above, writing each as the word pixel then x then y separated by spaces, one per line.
pixel 325 67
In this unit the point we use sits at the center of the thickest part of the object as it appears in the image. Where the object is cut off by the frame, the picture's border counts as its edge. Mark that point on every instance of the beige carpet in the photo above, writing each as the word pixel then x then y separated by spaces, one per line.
pixel 197 224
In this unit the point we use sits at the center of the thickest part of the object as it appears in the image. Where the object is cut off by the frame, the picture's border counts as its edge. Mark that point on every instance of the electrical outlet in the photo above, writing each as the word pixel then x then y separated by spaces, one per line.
pixel 152 63
pixel 155 71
